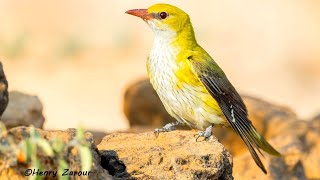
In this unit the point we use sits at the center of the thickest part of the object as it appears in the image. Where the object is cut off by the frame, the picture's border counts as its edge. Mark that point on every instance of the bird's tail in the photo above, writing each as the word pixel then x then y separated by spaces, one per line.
pixel 254 141
pixel 263 144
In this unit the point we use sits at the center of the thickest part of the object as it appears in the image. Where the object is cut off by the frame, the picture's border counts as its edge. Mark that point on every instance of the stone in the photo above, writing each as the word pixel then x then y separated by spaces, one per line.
pixel 4 99
pixel 172 155
pixel 97 135
pixel 16 171
pixel 288 166
pixel 300 157
pixel 315 122
pixel 264 115
pixel 311 157
pixel 23 110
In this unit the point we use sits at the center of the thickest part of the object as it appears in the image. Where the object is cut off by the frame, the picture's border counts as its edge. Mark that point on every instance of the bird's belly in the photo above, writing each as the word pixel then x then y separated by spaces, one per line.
pixel 189 103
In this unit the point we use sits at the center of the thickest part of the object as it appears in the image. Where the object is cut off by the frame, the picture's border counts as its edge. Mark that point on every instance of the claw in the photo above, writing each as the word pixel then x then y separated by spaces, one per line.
pixel 197 137
pixel 206 134
pixel 156 132
pixel 167 128
pixel 201 134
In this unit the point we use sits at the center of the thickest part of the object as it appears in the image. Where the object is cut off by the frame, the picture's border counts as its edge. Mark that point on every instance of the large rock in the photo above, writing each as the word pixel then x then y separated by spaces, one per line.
pixel 173 155
pixel 4 99
pixel 311 140
pixel 315 122
pixel 16 170
pixel 23 110
pixel 286 167
pixel 300 157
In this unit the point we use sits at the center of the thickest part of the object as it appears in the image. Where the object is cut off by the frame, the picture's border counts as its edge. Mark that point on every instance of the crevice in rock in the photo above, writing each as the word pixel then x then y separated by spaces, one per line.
pixel 110 161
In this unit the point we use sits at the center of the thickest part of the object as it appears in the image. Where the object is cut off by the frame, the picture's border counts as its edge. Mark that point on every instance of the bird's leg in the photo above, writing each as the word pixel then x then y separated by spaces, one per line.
pixel 206 134
pixel 168 127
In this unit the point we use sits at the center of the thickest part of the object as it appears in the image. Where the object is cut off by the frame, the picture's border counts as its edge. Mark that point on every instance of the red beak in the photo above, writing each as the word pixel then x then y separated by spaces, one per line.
pixel 142 13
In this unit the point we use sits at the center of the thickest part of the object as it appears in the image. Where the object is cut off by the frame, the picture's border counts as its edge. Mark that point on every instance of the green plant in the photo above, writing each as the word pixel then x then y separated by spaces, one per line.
pixel 28 150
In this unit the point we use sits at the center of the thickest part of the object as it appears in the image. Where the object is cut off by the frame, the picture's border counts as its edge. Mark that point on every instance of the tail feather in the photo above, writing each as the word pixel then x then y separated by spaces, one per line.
pixel 247 139
pixel 263 143
pixel 254 141
pixel 259 140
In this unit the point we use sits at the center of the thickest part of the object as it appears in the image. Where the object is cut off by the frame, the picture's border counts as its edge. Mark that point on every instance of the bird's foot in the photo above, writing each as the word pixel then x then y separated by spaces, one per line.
pixel 167 128
pixel 206 134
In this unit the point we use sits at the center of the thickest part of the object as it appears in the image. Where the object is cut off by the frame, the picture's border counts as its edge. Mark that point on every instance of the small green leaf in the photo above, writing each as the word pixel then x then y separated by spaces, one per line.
pixel 26 148
pixel 45 146
pixel 57 144
pixel 80 134
pixel 62 166
pixel 86 158
pixel 34 133
pixel 35 165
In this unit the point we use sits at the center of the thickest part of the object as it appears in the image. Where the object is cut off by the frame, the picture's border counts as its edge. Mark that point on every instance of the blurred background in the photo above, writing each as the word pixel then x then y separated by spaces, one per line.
pixel 79 56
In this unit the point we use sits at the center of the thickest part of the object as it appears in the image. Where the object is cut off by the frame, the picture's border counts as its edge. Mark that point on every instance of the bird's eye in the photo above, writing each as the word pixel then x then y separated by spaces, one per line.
pixel 163 15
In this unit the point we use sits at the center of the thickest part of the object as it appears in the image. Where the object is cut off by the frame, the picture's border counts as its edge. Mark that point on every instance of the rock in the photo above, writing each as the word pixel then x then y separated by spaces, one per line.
pixel 264 115
pixel 16 171
pixel 315 122
pixel 4 99
pixel 115 167
pixel 173 155
pixel 288 166
pixel 300 157
pixel 23 110
pixel 143 107
pixel 97 135
pixel 138 129
pixel 311 157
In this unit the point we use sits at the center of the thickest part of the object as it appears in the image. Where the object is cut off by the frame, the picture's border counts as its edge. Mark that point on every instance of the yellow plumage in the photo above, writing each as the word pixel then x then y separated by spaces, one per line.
pixel 190 84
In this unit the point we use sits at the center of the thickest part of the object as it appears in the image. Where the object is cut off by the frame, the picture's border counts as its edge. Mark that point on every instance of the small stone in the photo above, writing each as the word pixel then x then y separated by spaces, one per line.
pixel 4 99
pixel 23 110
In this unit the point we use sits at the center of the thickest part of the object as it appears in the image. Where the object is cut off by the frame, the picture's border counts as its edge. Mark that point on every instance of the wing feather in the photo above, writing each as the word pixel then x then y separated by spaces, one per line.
pixel 231 104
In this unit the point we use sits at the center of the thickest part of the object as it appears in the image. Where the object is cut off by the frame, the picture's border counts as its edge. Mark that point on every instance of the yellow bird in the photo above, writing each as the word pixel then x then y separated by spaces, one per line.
pixel 190 84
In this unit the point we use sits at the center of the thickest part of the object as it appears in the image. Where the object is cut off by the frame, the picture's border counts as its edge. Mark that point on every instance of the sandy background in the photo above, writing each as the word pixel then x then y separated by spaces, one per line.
pixel 79 56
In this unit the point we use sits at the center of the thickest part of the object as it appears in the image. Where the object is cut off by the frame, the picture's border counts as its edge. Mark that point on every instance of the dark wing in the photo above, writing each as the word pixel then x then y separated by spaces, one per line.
pixel 231 104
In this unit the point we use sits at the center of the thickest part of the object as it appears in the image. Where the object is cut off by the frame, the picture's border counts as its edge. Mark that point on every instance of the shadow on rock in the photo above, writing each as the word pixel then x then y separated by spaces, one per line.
pixel 110 161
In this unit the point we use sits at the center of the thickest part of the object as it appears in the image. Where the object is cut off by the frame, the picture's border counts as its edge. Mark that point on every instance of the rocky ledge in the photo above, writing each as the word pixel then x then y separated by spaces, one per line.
pixel 15 167
pixel 174 155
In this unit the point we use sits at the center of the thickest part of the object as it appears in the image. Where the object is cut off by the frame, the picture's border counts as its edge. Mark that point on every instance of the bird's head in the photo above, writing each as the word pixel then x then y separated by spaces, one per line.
pixel 163 18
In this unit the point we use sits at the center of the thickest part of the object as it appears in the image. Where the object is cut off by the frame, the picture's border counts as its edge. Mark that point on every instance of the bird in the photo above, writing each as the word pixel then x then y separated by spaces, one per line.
pixel 190 84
